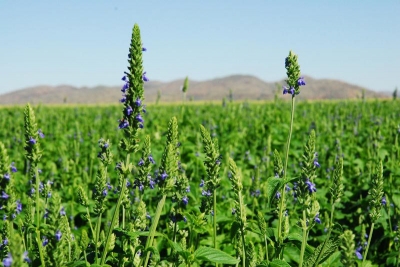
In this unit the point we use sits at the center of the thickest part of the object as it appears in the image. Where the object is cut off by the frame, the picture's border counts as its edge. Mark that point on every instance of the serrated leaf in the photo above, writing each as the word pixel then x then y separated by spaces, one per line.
pixel 330 247
pixel 214 255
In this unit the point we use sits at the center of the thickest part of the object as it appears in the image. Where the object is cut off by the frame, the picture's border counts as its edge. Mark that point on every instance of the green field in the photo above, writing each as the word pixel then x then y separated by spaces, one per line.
pixel 362 134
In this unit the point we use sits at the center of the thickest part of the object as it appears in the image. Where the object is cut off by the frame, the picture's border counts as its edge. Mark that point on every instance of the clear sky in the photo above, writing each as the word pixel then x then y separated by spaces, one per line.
pixel 85 42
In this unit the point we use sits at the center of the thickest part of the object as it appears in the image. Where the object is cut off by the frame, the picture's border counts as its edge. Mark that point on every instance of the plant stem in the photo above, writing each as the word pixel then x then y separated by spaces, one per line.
pixel 284 173
pixel 37 198
pixel 40 247
pixel 266 248
pixel 304 242
pixel 154 227
pixel 215 220
pixel 114 219
pixel 96 236
pixel 369 241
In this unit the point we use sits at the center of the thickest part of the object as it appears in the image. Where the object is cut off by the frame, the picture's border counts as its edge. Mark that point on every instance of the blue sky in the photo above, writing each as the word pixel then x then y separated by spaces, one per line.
pixel 85 42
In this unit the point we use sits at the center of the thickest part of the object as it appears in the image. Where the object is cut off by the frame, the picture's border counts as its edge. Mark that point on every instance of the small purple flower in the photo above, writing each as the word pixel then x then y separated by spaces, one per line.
pixel 40 133
pixel 145 79
pixel 144 49
pixel 139 118
pixel 206 193
pixel 287 188
pixel 233 211
pixel 144 109
pixel 105 192
pixel 285 90
pixel 164 176
pixel 6 176
pixel 301 81
pixel 292 91
pixel 26 257
pixel 32 141
pixel 311 186
pixel 46 214
pixel 185 200
pixel 148 216
pixel 105 145
pixel 384 201
pixel 123 124
pixel 187 189
pixel 138 102
pixel 19 206
pixel 8 260
pixel 128 110
pixel 316 164
pixel 123 99
pixel 5 217
pixel 124 78
pixel 109 186
pixel 5 242
pixel 184 219
pixel 45 241
pixel 152 183
pixel 125 87
pixel 13 168
pixel 202 183
pixel 278 195
pixel 358 253
pixel 58 235
pixel 4 195
pixel 141 187
pixel 317 219
pixel 141 162
pixel 62 211
pixel 151 159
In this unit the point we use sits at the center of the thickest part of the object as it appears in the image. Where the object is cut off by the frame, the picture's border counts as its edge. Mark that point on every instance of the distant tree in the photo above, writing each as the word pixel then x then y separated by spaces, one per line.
pixel 395 93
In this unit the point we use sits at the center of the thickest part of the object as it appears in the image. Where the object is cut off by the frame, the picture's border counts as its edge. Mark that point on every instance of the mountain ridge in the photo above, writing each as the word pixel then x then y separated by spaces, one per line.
pixel 239 86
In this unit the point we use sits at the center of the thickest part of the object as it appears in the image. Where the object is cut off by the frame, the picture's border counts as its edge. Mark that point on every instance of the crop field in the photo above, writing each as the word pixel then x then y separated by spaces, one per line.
pixel 279 183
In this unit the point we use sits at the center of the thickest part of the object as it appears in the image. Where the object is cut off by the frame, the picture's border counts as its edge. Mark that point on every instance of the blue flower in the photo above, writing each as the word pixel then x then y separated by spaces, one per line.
pixel 128 110
pixel 125 87
pixel 19 206
pixel 4 195
pixel 123 124
pixel 285 90
pixel 123 99
pixel 138 102
pixel 144 49
pixel 292 91
pixel 58 235
pixel 278 195
pixel 26 257
pixel 301 81
pixel 316 164
pixel 45 241
pixel 317 219
pixel 152 183
pixel 187 189
pixel 105 192
pixel 202 183
pixel 7 261
pixel 141 162
pixel 384 201
pixel 6 176
pixel 32 141
pixel 206 193
pixel 358 253
pixel 233 211
pixel 145 79
pixel 164 176
pixel 311 186
pixel 124 78
pixel 40 133
pixel 185 200
pixel 13 168
pixel 151 159
pixel 62 211
pixel 139 118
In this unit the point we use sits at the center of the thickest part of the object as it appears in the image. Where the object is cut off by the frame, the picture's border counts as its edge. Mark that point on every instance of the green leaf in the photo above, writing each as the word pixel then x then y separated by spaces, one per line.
pixel 214 255
pixel 273 185
pixel 78 263
pixel 278 263
pixel 323 252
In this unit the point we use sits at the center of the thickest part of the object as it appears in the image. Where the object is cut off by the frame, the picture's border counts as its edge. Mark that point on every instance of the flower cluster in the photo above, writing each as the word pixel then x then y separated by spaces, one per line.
pixel 294 80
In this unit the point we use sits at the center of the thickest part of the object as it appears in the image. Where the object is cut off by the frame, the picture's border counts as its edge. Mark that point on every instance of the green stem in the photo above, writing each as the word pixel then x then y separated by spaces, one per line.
pixel 304 242
pixel 97 235
pixel 154 227
pixel 40 247
pixel 280 217
pixel 244 249
pixel 114 219
pixel 37 198
pixel 266 248
pixel 215 220
pixel 369 242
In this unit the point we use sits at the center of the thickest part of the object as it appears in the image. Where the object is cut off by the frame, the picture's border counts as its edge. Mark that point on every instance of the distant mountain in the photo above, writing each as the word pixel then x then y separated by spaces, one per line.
pixel 241 87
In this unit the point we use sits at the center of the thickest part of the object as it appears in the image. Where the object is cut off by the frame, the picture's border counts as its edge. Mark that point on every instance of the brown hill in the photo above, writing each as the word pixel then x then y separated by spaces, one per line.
pixel 241 86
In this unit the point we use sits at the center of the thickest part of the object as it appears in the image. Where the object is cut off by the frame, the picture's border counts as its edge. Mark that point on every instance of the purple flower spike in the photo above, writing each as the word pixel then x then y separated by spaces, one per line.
pixel 145 79
pixel 301 81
